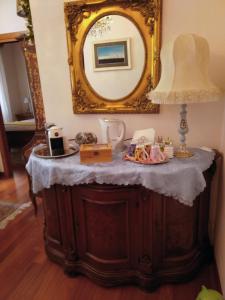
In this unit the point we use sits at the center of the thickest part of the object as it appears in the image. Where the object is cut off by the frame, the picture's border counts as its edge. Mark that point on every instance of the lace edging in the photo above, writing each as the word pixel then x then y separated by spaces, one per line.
pixel 181 97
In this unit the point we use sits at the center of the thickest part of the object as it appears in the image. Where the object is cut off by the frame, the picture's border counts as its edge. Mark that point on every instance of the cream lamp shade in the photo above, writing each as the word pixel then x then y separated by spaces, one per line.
pixel 185 78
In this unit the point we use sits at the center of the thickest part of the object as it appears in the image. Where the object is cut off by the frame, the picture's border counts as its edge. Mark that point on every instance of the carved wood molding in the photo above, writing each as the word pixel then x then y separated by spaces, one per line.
pixel 146 262
pixel 11 37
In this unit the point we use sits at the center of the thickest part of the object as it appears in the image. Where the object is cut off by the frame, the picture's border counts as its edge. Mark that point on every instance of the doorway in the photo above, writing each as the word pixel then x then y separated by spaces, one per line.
pixel 18 122
pixel 14 184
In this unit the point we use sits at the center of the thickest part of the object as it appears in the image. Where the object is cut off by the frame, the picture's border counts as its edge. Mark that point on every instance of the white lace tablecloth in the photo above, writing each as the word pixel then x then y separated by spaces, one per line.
pixel 181 179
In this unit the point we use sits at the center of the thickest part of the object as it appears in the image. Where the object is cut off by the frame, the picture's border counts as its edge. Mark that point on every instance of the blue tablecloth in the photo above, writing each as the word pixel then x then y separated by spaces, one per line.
pixel 181 179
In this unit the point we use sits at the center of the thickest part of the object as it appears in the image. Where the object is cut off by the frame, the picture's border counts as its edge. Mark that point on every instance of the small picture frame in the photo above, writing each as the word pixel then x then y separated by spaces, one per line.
pixel 112 55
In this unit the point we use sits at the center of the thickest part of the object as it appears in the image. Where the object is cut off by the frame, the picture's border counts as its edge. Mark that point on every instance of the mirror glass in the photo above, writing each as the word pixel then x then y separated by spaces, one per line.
pixel 114 57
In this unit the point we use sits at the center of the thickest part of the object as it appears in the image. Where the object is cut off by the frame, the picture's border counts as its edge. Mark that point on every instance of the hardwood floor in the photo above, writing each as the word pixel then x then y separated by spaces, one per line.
pixel 15 189
pixel 26 273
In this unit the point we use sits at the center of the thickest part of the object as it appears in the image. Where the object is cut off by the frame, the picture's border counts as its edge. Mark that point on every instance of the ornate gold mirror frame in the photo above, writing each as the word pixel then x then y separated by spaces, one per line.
pixel 80 17
pixel 35 84
pixel 23 10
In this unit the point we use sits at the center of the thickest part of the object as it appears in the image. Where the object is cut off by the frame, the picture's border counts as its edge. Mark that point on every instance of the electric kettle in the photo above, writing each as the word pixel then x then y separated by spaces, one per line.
pixel 113 131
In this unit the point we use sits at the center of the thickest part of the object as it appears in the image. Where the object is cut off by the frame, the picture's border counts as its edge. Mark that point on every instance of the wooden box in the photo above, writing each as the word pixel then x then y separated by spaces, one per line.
pixel 94 153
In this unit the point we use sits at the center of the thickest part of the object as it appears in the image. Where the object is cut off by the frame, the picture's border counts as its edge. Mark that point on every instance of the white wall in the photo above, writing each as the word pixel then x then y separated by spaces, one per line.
pixel 9 21
pixel 178 16
pixel 119 83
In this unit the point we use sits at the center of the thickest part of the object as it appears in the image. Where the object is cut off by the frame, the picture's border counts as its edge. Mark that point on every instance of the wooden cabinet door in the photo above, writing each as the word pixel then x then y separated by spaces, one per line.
pixel 59 230
pixel 107 226
pixel 146 264
pixel 52 230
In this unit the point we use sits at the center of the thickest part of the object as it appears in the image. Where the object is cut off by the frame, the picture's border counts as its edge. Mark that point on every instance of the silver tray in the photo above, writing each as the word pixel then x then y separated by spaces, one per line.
pixel 44 152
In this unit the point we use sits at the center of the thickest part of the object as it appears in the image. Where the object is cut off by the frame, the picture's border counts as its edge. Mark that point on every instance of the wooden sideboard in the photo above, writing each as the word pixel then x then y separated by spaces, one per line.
pixel 126 234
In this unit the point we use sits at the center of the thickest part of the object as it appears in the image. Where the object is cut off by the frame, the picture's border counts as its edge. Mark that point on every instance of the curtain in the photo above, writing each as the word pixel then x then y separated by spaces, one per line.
pixel 4 95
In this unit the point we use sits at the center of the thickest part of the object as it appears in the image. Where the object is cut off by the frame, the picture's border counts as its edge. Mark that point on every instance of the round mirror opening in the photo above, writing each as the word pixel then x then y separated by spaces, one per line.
pixel 114 57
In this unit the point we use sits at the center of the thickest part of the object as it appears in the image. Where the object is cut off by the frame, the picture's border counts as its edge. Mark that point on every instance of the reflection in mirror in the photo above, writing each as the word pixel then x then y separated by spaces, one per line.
pixel 15 99
pixel 113 52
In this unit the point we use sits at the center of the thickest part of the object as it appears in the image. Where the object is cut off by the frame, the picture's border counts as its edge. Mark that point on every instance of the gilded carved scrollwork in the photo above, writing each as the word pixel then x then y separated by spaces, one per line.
pixel 79 18
pixel 150 10
pixel 35 85
pixel 81 103
pixel 142 103
pixel 75 16
pixel 36 94
pixel 23 10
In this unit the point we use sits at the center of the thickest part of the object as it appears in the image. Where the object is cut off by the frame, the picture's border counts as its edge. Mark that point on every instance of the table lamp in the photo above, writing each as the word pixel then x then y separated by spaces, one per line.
pixel 185 79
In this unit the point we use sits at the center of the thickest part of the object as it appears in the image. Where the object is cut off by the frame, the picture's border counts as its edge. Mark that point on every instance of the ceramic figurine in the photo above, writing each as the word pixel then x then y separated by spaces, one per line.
pixel 139 153
pixel 85 138
pixel 145 154
pixel 156 154
pixel 131 150
pixel 148 148
pixel 168 141
pixel 169 151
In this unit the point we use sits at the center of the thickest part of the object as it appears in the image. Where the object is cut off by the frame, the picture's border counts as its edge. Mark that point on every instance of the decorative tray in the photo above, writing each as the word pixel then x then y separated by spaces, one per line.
pixel 144 162
pixel 44 152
